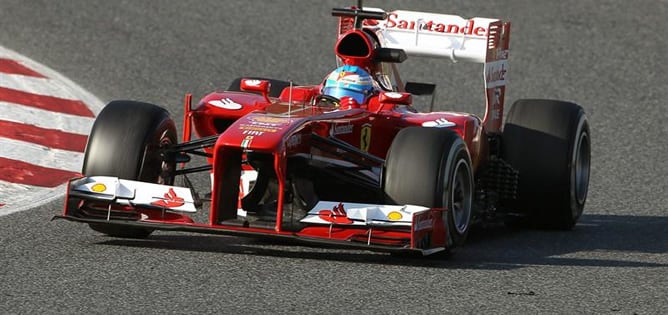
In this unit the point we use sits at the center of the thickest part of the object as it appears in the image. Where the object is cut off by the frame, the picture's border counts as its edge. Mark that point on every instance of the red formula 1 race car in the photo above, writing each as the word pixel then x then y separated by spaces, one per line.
pixel 348 161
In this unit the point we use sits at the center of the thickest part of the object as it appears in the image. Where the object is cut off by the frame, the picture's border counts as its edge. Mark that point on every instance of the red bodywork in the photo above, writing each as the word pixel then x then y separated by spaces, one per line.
pixel 249 121
pixel 265 126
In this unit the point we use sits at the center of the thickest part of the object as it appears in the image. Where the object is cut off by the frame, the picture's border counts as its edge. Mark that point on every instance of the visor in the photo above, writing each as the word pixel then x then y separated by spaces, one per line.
pixel 340 92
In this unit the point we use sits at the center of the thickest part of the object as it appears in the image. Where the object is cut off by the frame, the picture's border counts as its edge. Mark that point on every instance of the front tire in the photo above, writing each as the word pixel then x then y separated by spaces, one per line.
pixel 125 142
pixel 431 167
pixel 548 142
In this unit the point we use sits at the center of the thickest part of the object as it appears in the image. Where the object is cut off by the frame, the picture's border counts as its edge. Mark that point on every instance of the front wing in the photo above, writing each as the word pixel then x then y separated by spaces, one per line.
pixel 386 228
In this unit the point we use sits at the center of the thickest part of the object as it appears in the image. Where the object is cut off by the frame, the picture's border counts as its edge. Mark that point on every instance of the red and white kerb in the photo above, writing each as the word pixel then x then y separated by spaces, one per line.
pixel 44 122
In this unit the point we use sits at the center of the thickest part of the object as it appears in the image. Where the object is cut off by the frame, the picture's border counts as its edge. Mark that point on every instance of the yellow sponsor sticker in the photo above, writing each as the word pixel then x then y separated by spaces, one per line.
pixel 394 216
pixel 99 187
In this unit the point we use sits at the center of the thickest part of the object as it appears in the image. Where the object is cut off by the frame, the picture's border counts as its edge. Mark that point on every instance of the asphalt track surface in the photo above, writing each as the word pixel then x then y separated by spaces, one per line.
pixel 608 56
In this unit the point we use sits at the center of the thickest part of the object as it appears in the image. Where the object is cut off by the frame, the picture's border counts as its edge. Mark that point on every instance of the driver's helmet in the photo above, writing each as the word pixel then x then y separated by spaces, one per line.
pixel 351 81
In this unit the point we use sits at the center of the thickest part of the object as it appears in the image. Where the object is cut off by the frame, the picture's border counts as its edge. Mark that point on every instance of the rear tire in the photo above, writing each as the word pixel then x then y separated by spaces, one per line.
pixel 431 167
pixel 548 142
pixel 125 142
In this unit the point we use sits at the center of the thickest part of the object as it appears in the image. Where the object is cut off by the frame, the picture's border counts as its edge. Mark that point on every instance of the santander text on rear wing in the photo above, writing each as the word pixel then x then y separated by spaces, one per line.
pixel 441 35
pixel 477 40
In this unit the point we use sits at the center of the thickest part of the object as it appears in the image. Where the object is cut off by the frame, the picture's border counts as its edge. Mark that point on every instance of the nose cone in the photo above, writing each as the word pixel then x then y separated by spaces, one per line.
pixel 258 132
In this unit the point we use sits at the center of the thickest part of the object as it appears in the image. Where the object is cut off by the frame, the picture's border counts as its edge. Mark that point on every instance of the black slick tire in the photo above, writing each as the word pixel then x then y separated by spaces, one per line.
pixel 548 142
pixel 431 167
pixel 124 142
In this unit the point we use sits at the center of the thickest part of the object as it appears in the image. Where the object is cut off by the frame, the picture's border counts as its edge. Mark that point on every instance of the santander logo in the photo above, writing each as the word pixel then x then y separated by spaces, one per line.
pixel 394 21
pixel 495 73
pixel 171 200
pixel 337 215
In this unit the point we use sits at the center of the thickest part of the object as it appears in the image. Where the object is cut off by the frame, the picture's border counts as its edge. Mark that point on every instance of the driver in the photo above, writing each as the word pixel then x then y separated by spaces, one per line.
pixel 350 84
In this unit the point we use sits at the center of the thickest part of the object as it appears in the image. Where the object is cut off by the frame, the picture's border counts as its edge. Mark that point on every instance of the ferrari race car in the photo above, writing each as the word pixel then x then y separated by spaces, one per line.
pixel 349 161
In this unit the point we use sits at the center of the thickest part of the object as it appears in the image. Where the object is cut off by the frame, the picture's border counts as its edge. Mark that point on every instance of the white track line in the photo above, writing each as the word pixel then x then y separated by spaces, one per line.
pixel 45 118
pixel 94 103
pixel 18 197
pixel 41 86
pixel 40 155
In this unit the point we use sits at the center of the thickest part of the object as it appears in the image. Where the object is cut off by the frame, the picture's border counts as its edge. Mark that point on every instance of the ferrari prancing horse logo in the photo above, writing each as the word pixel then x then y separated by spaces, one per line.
pixel 365 137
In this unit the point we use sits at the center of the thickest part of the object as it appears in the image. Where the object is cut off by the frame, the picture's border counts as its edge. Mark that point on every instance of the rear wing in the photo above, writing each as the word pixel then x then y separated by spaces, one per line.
pixel 476 40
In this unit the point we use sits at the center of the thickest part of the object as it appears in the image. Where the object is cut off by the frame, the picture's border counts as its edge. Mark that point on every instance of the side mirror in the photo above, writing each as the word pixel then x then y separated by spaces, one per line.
pixel 395 98
pixel 254 85
pixel 388 100
pixel 424 92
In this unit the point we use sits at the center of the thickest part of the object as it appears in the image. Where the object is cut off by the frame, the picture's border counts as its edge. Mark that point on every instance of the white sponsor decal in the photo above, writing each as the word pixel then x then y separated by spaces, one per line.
pixel 343 129
pixel 448 24
pixel 438 123
pixel 253 132
pixel 253 82
pixel 394 95
pixel 226 103
pixel 495 73
pixel 424 224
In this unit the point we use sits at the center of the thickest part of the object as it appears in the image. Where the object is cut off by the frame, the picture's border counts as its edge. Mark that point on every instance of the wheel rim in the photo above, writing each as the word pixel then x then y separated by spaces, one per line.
pixel 582 161
pixel 461 196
